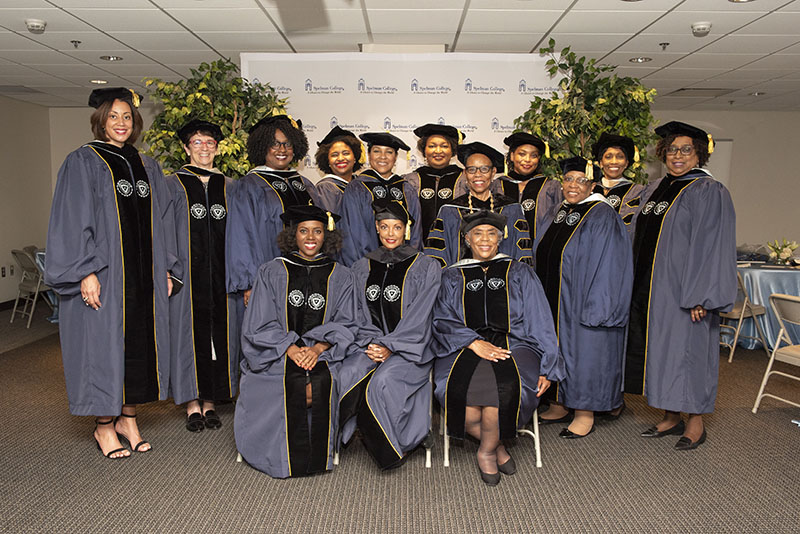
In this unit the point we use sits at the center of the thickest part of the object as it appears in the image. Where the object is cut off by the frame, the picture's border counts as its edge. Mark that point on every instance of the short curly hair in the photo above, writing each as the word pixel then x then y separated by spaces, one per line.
pixel 287 241
pixel 259 140
pixel 423 141
pixel 324 149
pixel 700 148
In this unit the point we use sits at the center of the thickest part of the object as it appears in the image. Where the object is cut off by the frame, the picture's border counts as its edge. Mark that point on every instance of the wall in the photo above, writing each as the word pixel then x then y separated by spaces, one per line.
pixel 25 186
pixel 765 174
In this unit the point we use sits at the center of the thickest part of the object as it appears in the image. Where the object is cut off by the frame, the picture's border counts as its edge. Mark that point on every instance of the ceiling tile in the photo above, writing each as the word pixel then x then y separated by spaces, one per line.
pixel 633 72
pixel 27 4
pixel 414 38
pixel 338 20
pixel 36 57
pixel 56 19
pixel 138 72
pixel 330 42
pixel 680 22
pixel 103 4
pixel 12 69
pixel 750 44
pixel 397 20
pixel 685 74
pixel 716 5
pixel 85 71
pixel 220 20
pixel 12 41
pixel 83 81
pixel 93 56
pixel 660 59
pixel 650 43
pixel 33 80
pixel 773 24
pixel 246 41
pixel 584 42
pixel 559 5
pixel 204 4
pixel 728 61
pixel 753 74
pixel 183 57
pixel 89 40
pixel 497 20
pixel 616 5
pixel 605 21
pixel 496 42
pixel 777 61
pixel 145 41
pixel 111 20
pixel 425 4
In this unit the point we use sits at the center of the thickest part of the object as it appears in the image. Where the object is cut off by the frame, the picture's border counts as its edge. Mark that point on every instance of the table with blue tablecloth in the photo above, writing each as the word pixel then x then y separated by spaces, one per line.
pixel 761 281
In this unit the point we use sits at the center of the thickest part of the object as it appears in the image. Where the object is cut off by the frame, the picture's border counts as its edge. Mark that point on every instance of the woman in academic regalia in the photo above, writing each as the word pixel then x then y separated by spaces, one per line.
pixel 538 195
pixel 384 383
pixel 274 144
pixel 439 181
pixel 445 241
pixel 495 347
pixel 299 323
pixel 376 183
pixel 204 322
pixel 584 263
pixel 339 155
pixel 110 247
pixel 614 154
pixel 684 257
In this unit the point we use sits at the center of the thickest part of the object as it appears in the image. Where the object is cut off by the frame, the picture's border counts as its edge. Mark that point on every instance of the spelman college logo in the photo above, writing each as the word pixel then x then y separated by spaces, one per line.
pixel 545 90
pixel 472 88
pixel 422 89
pixel 312 89
pixel 365 88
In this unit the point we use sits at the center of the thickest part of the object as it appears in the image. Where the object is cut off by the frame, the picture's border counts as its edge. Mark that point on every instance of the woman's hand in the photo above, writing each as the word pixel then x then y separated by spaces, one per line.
pixel 543 385
pixel 487 351
pixel 247 296
pixel 90 291
pixel 296 354
pixel 169 284
pixel 697 313
pixel 377 353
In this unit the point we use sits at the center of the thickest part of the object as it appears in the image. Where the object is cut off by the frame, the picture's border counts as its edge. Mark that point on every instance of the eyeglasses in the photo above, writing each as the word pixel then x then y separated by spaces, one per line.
pixel 278 144
pixel 580 180
pixel 685 150
pixel 197 143
pixel 483 169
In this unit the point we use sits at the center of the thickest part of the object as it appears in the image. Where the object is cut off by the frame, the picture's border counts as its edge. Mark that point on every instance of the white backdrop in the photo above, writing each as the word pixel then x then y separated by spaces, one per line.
pixel 480 94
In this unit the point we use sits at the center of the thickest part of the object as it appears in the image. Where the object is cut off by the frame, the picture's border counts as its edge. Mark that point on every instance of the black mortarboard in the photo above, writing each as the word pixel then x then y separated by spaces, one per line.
pixel 427 130
pixel 197 125
pixel 579 164
pixel 518 139
pixel 476 147
pixel 681 128
pixel 608 140
pixel 335 133
pixel 99 96
pixel 478 218
pixel 299 213
pixel 391 209
pixel 384 139
pixel 286 119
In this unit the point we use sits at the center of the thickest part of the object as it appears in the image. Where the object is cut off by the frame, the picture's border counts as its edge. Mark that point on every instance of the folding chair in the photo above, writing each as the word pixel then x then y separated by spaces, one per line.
pixel 742 309
pixel 520 431
pixel 787 310
pixel 31 284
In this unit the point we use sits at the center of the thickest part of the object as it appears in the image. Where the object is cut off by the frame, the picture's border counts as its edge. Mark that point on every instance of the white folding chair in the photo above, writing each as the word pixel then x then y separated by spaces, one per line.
pixel 520 431
pixel 787 310
pixel 742 310
pixel 31 284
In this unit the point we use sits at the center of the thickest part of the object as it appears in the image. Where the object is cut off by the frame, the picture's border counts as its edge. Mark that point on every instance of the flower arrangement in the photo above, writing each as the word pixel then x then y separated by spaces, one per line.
pixel 782 253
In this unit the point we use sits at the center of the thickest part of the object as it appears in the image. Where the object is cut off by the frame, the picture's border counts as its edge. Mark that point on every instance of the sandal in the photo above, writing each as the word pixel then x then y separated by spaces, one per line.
pixel 212 419
pixel 124 437
pixel 108 454
pixel 194 422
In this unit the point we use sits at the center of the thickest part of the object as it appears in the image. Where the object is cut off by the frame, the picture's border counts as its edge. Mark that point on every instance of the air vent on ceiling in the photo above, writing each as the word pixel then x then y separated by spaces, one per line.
pixel 17 90
pixel 699 91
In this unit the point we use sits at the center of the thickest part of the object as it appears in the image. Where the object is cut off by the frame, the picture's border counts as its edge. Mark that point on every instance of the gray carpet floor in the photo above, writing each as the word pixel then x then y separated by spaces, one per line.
pixel 744 479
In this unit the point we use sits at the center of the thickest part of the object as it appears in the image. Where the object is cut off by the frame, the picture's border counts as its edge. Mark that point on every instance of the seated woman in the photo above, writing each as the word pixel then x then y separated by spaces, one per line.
pixel 538 195
pixel 384 385
pixel 439 181
pixel 614 154
pixel 494 345
pixel 445 241
pixel 376 183
pixel 585 263
pixel 294 336
pixel 339 154
pixel 204 319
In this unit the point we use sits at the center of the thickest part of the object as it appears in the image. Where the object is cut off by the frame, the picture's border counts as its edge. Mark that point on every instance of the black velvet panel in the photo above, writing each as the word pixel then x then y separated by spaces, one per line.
pixel 308 447
pixel 384 292
pixel 615 195
pixel 529 200
pixel 288 186
pixel 436 188
pixel 374 438
pixel 307 293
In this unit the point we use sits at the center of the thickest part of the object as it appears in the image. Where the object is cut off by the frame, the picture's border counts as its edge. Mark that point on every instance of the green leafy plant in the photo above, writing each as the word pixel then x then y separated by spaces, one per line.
pixel 591 101
pixel 216 93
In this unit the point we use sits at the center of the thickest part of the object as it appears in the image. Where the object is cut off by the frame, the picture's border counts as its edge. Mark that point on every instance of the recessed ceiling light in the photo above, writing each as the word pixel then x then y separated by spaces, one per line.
pixel 99 82
pixel 640 59
pixel 740 1
pixel 757 93
pixel 111 58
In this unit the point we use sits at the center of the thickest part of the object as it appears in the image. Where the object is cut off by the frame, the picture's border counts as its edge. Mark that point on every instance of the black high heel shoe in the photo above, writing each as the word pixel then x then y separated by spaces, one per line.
pixel 124 437
pixel 108 454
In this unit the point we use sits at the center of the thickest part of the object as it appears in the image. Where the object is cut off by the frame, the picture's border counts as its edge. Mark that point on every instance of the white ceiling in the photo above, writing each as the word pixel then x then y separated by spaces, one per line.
pixel 752 47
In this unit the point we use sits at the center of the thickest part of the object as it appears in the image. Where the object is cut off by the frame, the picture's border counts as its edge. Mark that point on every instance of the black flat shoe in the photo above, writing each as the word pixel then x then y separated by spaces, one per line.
pixel 653 431
pixel 607 417
pixel 566 419
pixel 212 419
pixel 686 444
pixel 490 480
pixel 569 434
pixel 508 468
pixel 194 422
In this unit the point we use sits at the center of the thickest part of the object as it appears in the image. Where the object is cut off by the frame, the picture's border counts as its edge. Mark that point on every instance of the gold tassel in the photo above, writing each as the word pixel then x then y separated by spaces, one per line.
pixel 546 149
pixel 505 166
pixel 636 154
pixel 363 157
pixel 408 155
pixel 710 144
pixel 460 136
pixel 136 102
pixel 294 122
pixel 589 170
pixel 408 231
pixel 331 224
pixel 505 232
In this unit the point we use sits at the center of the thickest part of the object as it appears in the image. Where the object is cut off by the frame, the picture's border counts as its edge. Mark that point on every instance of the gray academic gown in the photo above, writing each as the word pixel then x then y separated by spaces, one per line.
pixel 330 190
pixel 274 431
pixel 203 313
pixel 84 238
pixel 684 256
pixel 390 401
